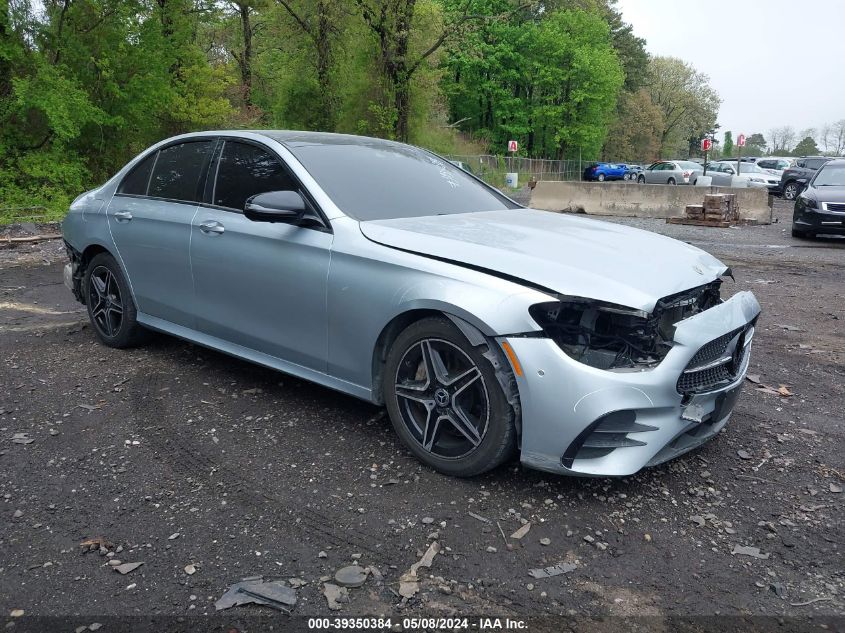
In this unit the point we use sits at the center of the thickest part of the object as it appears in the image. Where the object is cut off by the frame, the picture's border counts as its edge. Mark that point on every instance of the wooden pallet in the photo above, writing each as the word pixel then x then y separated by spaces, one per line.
pixel 715 222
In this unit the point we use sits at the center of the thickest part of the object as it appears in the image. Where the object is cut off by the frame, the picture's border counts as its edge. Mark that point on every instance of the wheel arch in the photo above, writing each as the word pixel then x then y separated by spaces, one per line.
pixel 394 327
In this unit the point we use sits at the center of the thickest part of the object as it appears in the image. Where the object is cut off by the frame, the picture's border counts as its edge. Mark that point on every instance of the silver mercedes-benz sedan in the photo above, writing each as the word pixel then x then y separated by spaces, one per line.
pixel 383 271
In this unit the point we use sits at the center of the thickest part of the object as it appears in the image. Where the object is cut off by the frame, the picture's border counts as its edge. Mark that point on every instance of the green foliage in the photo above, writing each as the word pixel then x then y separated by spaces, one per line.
pixel 806 147
pixel 755 145
pixel 550 83
pixel 87 84
pixel 728 144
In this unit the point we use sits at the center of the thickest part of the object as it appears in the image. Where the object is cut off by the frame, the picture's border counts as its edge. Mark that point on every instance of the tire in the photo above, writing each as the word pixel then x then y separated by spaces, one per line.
pixel 641 179
pixel 791 190
pixel 671 181
pixel 465 388
pixel 600 178
pixel 109 301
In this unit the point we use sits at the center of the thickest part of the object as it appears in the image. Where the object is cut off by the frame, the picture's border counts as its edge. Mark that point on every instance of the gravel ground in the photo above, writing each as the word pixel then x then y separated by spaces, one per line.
pixel 179 456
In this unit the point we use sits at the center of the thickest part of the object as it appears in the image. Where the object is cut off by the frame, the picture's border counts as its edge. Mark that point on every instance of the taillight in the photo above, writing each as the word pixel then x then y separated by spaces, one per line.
pixel 687 174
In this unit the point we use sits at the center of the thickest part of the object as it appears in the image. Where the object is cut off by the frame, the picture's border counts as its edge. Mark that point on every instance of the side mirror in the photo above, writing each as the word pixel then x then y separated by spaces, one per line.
pixel 275 206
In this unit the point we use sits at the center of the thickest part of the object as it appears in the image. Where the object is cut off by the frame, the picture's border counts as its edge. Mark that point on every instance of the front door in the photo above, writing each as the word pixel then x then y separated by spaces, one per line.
pixel 259 285
pixel 150 220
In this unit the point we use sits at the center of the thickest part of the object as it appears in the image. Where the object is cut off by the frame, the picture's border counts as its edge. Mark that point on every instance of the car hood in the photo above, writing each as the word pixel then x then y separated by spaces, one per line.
pixel 566 254
pixel 830 193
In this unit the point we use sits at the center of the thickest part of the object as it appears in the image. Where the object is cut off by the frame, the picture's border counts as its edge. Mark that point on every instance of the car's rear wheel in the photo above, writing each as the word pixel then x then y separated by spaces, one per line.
pixel 110 307
pixel 671 181
pixel 446 401
pixel 600 177
pixel 790 190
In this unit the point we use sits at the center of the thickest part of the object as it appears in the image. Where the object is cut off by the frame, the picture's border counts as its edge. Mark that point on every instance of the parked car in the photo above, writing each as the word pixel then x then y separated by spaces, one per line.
pixel 669 172
pixel 724 174
pixel 383 271
pixel 820 208
pixel 632 171
pixel 775 164
pixel 795 177
pixel 604 171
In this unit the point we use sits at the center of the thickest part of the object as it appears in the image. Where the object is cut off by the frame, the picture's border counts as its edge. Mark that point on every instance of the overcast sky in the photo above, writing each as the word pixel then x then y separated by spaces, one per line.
pixel 773 62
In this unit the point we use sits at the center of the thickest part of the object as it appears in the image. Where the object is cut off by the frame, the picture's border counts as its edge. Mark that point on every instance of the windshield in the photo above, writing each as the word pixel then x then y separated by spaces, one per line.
pixel 830 176
pixel 747 168
pixel 688 164
pixel 378 180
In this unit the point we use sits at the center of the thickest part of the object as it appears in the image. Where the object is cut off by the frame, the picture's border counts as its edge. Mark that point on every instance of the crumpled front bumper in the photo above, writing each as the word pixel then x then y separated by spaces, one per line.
pixel 561 398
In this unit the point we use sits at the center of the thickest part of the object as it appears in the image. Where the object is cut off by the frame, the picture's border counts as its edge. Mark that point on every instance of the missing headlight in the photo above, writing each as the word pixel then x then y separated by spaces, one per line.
pixel 610 336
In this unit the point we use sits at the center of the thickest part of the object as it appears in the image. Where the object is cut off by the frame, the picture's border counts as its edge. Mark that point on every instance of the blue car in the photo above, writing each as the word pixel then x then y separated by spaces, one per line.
pixel 604 171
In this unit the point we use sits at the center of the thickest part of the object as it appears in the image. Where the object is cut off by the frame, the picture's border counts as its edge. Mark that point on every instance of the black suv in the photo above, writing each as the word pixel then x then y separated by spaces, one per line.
pixel 796 177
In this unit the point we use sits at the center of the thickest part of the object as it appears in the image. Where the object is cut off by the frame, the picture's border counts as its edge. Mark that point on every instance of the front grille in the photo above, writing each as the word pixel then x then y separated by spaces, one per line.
pixel 710 378
pixel 835 206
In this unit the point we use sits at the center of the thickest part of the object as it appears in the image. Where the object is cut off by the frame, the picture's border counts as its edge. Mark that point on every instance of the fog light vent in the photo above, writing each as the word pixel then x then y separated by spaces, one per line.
pixel 604 436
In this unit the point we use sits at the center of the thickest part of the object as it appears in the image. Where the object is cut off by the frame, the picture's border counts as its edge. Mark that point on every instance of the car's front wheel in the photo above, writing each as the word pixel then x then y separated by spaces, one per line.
pixel 110 307
pixel 790 190
pixel 446 401
pixel 641 179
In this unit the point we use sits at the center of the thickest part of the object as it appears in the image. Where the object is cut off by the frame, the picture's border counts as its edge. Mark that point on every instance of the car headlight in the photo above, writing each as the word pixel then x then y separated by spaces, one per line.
pixel 610 336
pixel 756 180
pixel 808 203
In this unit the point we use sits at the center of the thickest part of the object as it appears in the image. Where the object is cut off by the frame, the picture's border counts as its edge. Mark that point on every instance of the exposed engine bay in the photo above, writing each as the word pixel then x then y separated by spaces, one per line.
pixel 609 336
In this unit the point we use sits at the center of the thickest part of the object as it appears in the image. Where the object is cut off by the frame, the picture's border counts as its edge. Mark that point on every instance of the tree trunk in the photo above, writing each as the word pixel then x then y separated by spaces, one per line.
pixel 326 115
pixel 246 55
pixel 402 103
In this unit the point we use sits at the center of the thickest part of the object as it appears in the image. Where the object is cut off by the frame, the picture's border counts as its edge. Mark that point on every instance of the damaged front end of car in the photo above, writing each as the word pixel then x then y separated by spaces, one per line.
pixel 614 337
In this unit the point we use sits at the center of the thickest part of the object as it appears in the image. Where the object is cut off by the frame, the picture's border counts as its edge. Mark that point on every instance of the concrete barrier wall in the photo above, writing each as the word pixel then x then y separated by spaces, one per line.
pixel 643 201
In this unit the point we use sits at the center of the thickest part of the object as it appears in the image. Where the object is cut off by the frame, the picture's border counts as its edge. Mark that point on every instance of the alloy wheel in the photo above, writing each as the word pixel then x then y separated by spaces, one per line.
pixel 442 398
pixel 106 302
pixel 790 192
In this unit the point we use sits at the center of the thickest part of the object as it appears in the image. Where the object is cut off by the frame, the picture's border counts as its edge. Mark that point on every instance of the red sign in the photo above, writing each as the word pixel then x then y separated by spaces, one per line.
pixel 512 146
pixel 740 140
pixel 706 143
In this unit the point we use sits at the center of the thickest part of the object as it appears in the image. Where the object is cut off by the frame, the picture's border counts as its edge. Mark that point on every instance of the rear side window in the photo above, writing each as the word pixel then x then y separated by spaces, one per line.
pixel 179 172
pixel 815 163
pixel 246 170
pixel 136 181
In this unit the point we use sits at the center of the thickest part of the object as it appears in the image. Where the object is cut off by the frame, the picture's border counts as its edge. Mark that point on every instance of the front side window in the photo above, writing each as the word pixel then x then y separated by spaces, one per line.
pixel 179 172
pixel 246 170
pixel 136 181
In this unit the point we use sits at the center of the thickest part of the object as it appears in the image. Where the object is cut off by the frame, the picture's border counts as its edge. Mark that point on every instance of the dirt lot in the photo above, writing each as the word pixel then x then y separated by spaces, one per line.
pixel 177 456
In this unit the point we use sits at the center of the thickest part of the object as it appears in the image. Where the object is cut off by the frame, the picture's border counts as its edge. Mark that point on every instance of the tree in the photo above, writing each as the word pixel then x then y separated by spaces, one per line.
pixel 806 147
pixel 728 144
pixel 833 138
pixel 550 81
pixel 782 139
pixel 322 22
pixel 392 23
pixel 688 103
pixel 755 145
pixel 634 135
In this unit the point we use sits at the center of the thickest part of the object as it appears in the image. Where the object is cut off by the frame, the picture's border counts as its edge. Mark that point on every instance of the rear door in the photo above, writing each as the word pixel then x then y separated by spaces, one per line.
pixel 259 285
pixel 150 220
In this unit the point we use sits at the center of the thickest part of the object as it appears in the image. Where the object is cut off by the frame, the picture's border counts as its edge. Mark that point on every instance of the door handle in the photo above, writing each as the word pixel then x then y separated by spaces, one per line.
pixel 212 228
pixel 123 216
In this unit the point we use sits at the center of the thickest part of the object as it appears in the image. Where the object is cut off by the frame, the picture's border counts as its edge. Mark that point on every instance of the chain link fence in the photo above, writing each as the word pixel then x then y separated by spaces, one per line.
pixel 492 169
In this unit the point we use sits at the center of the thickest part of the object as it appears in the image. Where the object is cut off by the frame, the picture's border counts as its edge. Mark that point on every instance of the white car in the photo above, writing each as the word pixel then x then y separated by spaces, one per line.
pixel 724 174
pixel 775 164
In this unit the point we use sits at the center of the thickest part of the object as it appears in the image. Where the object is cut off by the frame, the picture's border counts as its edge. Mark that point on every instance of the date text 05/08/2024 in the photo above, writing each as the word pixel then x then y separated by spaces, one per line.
pixel 417 624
